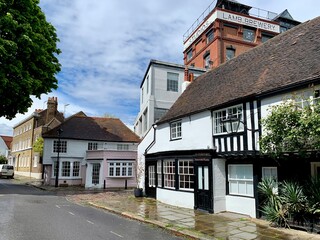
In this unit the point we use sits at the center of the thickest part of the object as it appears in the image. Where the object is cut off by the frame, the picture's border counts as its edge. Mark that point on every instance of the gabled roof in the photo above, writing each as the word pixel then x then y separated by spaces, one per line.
pixel 81 127
pixel 7 140
pixel 291 58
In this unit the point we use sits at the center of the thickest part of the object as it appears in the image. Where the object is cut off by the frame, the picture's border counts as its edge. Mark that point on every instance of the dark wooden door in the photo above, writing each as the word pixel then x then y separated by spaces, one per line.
pixel 203 187
pixel 151 179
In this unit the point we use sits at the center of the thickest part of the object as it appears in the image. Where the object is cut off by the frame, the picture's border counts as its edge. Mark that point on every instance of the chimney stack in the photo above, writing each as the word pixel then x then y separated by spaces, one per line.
pixel 52 108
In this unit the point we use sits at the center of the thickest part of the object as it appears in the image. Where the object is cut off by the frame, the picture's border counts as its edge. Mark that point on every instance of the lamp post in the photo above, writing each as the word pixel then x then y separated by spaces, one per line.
pixel 58 157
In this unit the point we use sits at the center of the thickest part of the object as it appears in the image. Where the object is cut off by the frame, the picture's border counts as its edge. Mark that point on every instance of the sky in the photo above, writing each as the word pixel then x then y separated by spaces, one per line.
pixel 107 45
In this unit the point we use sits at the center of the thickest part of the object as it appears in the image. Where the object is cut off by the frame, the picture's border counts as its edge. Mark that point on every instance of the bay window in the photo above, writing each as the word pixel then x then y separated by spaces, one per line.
pixel 186 175
pixel 67 169
pixel 120 168
pixel 169 173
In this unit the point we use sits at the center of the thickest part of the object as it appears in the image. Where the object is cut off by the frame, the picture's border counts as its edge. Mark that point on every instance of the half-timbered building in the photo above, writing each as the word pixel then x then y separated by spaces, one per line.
pixel 204 153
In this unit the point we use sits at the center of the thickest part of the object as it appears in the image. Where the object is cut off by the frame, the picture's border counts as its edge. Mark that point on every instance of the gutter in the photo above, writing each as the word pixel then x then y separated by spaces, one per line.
pixel 154 126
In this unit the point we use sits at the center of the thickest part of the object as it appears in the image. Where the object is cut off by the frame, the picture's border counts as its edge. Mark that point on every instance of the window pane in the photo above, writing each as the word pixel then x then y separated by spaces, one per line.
pixel 248 35
pixel 172 81
pixel 65 169
pixel 76 169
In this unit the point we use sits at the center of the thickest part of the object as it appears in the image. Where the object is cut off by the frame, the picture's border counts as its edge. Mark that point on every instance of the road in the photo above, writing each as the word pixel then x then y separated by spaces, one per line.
pixel 28 213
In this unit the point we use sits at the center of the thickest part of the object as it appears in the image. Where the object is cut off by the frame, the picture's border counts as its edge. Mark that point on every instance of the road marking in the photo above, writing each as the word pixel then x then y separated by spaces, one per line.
pixel 58 206
pixel 71 213
pixel 116 234
pixel 90 222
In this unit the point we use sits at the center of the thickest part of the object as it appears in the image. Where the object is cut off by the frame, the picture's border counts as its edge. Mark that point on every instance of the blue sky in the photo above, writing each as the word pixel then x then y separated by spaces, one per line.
pixel 107 45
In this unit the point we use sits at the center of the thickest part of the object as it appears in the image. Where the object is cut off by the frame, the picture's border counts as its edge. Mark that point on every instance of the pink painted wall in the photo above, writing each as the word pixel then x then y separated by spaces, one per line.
pixel 112 182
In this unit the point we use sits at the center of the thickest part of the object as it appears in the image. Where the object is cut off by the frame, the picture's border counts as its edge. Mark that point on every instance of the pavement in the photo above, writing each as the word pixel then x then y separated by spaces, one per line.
pixel 189 223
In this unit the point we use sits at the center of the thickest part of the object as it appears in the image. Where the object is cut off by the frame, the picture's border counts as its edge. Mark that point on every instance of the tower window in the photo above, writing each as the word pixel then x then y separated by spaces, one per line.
pixel 189 54
pixel 248 35
pixel 210 36
pixel 230 53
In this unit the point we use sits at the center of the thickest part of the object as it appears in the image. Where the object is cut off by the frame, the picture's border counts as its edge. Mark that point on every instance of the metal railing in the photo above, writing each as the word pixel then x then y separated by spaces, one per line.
pixel 254 12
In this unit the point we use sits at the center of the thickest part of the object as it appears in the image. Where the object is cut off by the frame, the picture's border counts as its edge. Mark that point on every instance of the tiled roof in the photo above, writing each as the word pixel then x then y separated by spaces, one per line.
pixel 289 59
pixel 82 127
pixel 7 140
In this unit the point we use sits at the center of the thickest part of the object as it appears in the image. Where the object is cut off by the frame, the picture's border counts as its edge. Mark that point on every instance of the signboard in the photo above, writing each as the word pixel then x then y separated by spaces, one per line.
pixel 251 22
pixel 230 17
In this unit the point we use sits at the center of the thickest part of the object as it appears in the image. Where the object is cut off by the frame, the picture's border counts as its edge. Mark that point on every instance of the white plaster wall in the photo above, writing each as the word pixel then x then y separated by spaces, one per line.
pixel 242 205
pixel 176 198
pixel 196 134
pixel 75 149
pixel 219 185
pixel 145 142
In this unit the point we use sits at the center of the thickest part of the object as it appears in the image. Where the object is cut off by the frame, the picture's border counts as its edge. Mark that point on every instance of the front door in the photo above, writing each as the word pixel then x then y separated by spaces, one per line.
pixel 151 173
pixel 95 174
pixel 203 187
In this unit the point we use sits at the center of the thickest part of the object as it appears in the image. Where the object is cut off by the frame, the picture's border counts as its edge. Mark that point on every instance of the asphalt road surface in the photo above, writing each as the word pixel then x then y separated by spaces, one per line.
pixel 28 213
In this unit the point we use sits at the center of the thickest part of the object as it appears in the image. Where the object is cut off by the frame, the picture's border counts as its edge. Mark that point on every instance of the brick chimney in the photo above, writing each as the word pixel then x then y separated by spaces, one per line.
pixel 52 108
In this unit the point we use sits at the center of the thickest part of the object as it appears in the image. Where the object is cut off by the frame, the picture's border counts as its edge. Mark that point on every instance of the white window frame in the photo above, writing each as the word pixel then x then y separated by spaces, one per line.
pixel 152 175
pixel 186 175
pixel 273 173
pixel 71 172
pixel 169 174
pixel 92 146
pixel 221 126
pixel 123 147
pixel 125 168
pixel 240 181
pixel 63 146
pixel 176 130
pixel 159 173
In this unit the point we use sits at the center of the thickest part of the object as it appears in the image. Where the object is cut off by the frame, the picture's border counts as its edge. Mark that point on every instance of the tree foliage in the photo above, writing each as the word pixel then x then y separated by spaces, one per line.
pixel 28 55
pixel 290 128
pixel 38 145
pixel 3 159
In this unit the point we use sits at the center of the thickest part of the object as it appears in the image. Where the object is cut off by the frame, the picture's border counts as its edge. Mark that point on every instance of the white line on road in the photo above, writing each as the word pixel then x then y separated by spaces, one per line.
pixel 90 222
pixel 71 213
pixel 116 234
pixel 58 206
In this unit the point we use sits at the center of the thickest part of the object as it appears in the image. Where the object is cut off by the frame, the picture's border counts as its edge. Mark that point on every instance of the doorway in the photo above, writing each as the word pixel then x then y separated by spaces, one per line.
pixel 203 186
pixel 151 179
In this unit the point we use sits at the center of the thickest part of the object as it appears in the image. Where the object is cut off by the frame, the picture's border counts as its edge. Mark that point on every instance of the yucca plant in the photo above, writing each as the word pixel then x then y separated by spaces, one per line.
pixel 295 199
pixel 272 208
pixel 312 191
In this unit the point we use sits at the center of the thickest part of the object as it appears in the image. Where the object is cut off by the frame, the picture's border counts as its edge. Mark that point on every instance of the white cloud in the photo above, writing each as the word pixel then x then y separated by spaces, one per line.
pixel 107 45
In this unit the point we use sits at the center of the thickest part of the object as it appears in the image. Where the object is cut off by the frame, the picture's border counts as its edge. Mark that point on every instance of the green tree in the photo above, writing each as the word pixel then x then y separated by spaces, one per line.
pixel 290 128
pixel 38 146
pixel 28 55
pixel 3 159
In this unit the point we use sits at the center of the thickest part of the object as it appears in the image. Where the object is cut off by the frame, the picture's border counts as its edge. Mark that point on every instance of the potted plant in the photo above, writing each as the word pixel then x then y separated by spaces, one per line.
pixel 139 174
